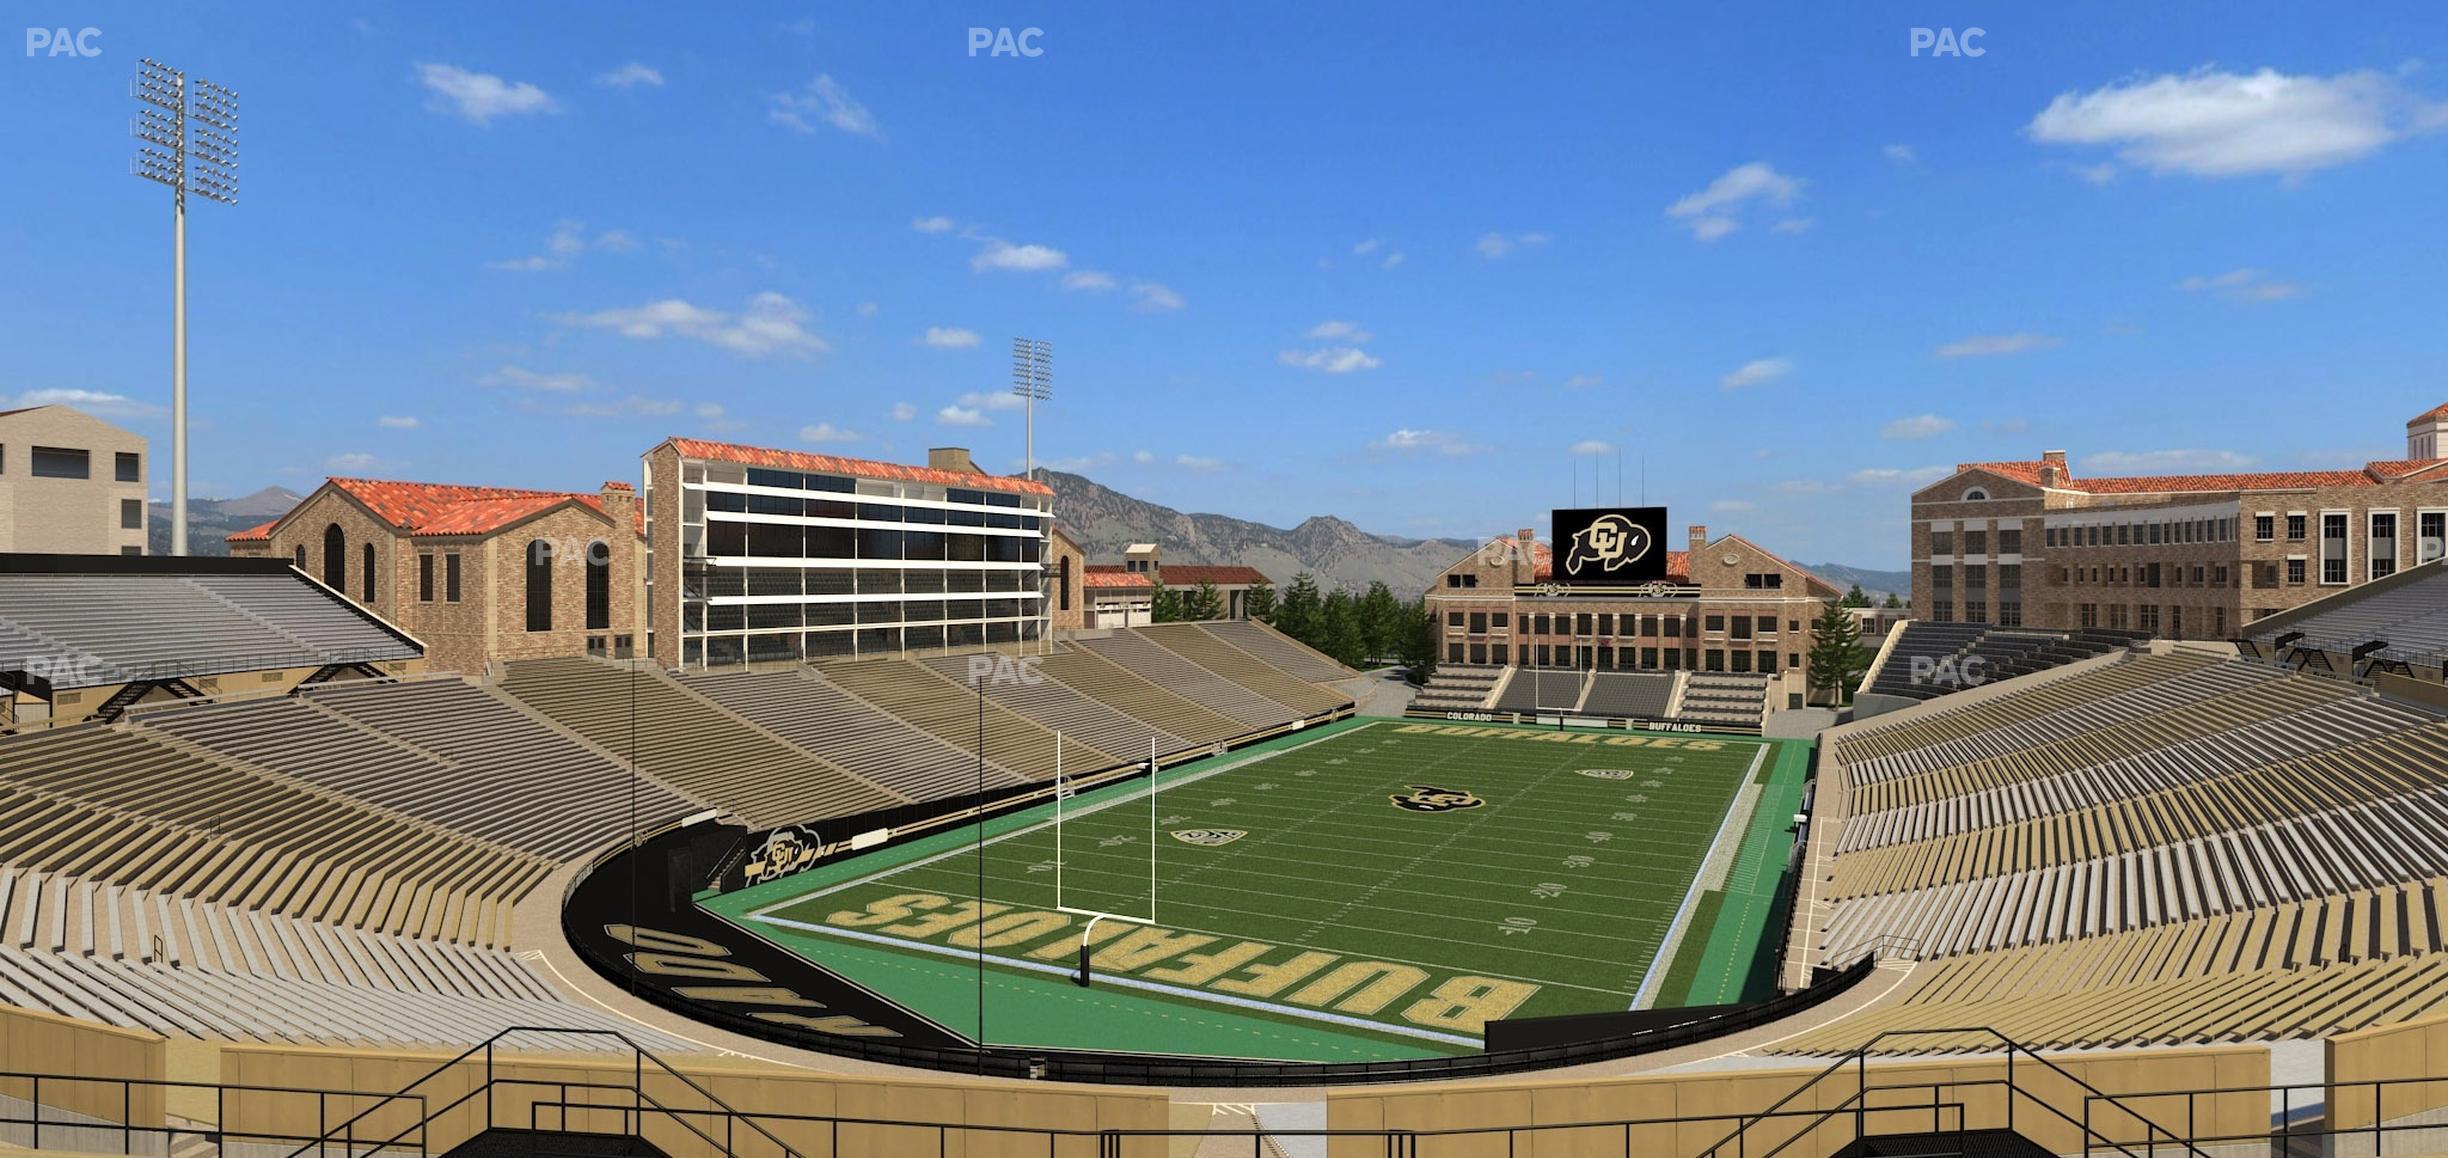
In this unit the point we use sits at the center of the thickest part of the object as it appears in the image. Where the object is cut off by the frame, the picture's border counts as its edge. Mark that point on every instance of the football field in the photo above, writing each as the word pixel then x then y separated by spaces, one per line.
pixel 1377 889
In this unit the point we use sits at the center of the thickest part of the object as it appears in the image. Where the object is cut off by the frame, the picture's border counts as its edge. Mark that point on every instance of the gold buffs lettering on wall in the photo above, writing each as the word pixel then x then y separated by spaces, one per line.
pixel 698 969
pixel 1526 735
pixel 1307 977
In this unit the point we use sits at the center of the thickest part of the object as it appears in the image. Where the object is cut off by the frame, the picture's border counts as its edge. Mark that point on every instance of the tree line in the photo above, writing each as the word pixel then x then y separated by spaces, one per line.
pixel 1358 629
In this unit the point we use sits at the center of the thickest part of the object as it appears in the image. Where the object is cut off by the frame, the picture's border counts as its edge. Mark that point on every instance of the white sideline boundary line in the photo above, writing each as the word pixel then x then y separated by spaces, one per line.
pixel 1194 995
pixel 1091 810
pixel 1672 946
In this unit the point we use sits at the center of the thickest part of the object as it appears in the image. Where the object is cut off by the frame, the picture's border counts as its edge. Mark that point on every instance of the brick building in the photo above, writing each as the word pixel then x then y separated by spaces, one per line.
pixel 477 573
pixel 2178 556
pixel 1232 582
pixel 1726 605
pixel 70 484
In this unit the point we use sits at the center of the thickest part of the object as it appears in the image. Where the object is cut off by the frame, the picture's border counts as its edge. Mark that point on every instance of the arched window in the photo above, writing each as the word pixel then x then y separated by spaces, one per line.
pixel 335 558
pixel 300 554
pixel 1976 495
pixel 368 581
pixel 539 585
pixel 598 585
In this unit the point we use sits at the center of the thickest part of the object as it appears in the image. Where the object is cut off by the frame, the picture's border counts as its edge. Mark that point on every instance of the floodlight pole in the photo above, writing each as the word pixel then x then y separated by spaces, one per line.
pixel 1033 381
pixel 191 135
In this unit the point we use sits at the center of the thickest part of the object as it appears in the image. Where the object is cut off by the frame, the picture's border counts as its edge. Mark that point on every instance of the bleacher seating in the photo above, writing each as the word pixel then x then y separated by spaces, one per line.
pixel 1725 699
pixel 827 720
pixel 1143 657
pixel 302 611
pixel 690 743
pixel 1542 689
pixel 1204 648
pixel 1455 688
pixel 1630 695
pixel 1289 655
pixel 1953 655
pixel 133 626
pixel 925 700
pixel 1145 700
pixel 1028 691
pixel 2407 617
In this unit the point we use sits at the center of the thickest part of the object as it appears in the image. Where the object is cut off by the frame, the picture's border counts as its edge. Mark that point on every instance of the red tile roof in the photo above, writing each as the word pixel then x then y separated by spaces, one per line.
pixel 261 533
pixel 856 467
pixel 2371 474
pixel 2437 412
pixel 1116 579
pixel 1187 575
pixel 441 509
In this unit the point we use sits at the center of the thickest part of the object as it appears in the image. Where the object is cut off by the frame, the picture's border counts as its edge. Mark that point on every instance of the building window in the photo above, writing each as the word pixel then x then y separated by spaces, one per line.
pixel 1976 542
pixel 2295 572
pixel 2010 541
pixel 131 514
pixel 335 558
pixel 1942 542
pixel 2087 615
pixel 450 577
pixel 1942 611
pixel 2150 618
pixel 2383 552
pixel 366 561
pixel 129 466
pixel 1453 653
pixel 2010 614
pixel 2295 528
pixel 1500 620
pixel 1478 623
pixel 1976 611
pixel 2333 547
pixel 298 556
pixel 424 578
pixel 539 585
pixel 598 586
pixel 131 550
pixel 56 462
pixel 2430 536
pixel 1063 581
pixel 1453 619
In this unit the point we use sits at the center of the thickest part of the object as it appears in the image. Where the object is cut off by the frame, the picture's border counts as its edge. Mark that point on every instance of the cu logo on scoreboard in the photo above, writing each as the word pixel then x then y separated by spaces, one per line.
pixel 1609 543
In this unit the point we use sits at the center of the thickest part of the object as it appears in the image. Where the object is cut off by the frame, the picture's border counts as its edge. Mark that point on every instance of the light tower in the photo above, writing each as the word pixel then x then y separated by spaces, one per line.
pixel 190 134
pixel 1033 381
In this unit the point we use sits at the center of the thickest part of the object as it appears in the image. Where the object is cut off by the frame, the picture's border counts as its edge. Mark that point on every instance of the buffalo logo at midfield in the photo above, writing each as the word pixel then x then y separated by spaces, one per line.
pixel 1208 837
pixel 1608 543
pixel 1427 798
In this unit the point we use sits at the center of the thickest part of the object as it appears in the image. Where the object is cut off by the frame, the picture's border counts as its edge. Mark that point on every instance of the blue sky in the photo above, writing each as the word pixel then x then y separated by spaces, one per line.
pixel 1417 265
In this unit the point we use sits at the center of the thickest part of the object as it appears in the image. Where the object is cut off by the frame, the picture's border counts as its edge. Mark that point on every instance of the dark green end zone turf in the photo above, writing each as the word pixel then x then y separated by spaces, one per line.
pixel 1375 890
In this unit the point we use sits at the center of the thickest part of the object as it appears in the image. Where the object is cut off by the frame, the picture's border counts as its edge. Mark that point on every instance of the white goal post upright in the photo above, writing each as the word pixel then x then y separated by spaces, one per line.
pixel 1095 915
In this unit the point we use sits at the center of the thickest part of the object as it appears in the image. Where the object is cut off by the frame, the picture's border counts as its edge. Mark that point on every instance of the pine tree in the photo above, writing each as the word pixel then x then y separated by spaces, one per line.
pixel 1837 658
pixel 1298 614
pixel 1339 617
pixel 1381 621
pixel 1202 602
pixel 1164 604
pixel 1894 602
pixel 1855 598
pixel 1418 650
pixel 1259 601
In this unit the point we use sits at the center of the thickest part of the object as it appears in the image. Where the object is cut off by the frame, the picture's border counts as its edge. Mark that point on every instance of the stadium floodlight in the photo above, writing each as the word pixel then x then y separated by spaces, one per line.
pixel 190 132
pixel 1033 381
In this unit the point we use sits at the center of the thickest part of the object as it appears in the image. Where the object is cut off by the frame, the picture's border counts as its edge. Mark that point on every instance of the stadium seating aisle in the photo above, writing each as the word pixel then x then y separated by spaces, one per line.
pixel 690 743
pixel 1061 707
pixel 1194 643
pixel 1146 659
pixel 827 720
pixel 950 712
pixel 1150 703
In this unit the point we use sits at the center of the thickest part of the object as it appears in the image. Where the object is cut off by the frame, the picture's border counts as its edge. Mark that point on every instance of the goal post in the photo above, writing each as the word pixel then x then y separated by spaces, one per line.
pixel 1061 901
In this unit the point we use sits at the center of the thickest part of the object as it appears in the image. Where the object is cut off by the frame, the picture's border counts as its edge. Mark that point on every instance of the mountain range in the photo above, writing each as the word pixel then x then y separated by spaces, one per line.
pixel 208 520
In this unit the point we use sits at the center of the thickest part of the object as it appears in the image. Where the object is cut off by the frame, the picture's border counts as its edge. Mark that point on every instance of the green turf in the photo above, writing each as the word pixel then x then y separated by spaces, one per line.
pixel 1338 925
pixel 1742 915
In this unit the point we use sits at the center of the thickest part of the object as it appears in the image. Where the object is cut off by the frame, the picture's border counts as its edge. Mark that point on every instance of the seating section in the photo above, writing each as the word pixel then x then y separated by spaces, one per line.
pixel 1144 658
pixel 1196 644
pixel 690 743
pixel 1019 685
pixel 183 968
pixel 2407 617
pixel 1725 699
pixel 1930 660
pixel 1292 657
pixel 123 805
pixel 2098 693
pixel 1455 688
pixel 950 712
pixel 1630 695
pixel 1151 703
pixel 306 612
pixel 154 626
pixel 839 727
pixel 1542 689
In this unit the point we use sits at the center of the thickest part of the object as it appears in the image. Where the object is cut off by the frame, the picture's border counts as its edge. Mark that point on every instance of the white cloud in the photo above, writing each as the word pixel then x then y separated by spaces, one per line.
pixel 631 75
pixel 1901 154
pixel 1916 427
pixel 707 410
pixel 1592 446
pixel 1758 372
pixel 1142 457
pixel 999 400
pixel 903 412
pixel 949 338
pixel 1330 359
pixel 827 432
pixel 1003 255
pixel 824 99
pixel 1198 462
pixel 1805 486
pixel 95 402
pixel 1331 331
pixel 1391 260
pixel 932 224
pixel 526 379
pixel 1366 248
pixel 2115 462
pixel 1732 506
pixel 1994 345
pixel 631 406
pixel 1441 442
pixel 1794 225
pixel 2006 425
pixel 616 240
pixel 1088 280
pixel 961 416
pixel 1890 476
pixel 479 97
pixel 869 309
pixel 1582 381
pixel 399 422
pixel 769 323
pixel 1717 210
pixel 1155 298
pixel 351 462
pixel 567 240
pixel 2242 285
pixel 2208 123
pixel 1496 245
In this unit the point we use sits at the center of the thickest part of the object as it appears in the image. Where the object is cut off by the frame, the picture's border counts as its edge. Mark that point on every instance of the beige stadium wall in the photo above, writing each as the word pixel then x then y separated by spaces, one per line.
pixel 33 1042
pixel 1720 1097
pixel 750 1087
pixel 2413 1049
